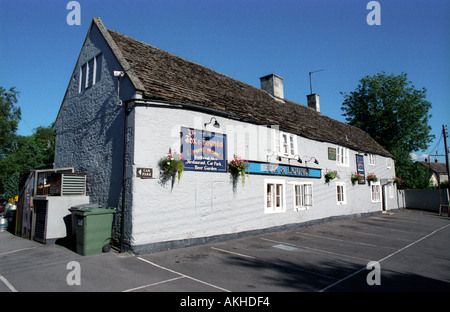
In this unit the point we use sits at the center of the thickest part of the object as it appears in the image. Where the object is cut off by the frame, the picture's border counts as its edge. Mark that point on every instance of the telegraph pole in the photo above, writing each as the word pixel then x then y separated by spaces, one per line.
pixel 444 132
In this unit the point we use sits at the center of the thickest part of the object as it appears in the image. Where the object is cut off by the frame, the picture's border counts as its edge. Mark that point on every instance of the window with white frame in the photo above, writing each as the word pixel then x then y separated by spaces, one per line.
pixel 285 144
pixel 275 194
pixel 341 194
pixel 90 72
pixel 303 196
pixel 342 156
pixel 372 159
pixel 389 163
pixel 376 192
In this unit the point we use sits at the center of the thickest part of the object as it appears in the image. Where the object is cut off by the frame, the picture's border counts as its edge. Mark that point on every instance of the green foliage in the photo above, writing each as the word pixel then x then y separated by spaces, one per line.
pixel 169 166
pixel 413 174
pixel 20 153
pixel 9 119
pixel 31 152
pixel 395 114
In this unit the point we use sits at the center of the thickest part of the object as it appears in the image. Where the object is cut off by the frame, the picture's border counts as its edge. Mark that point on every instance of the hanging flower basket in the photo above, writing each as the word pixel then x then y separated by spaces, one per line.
pixel 356 177
pixel 330 175
pixel 372 177
pixel 397 181
pixel 237 168
pixel 169 166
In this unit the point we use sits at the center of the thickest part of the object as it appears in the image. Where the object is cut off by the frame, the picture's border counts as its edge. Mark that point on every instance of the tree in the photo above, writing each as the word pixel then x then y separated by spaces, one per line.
pixel 395 114
pixel 20 153
pixel 9 119
pixel 30 152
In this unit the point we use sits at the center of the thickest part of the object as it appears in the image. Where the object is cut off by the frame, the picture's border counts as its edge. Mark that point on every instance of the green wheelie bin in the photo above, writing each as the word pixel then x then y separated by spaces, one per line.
pixel 93 226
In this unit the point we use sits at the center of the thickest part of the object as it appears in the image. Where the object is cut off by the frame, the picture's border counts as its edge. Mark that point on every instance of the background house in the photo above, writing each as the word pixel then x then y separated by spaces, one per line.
pixel 437 171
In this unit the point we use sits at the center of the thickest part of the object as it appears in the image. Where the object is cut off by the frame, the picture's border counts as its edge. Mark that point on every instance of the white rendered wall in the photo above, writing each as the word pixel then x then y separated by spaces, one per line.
pixel 204 204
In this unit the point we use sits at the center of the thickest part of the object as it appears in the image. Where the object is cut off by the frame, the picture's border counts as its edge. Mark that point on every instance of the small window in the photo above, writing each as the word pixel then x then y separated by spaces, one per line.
pixel 341 195
pixel 98 68
pixel 276 137
pixel 342 156
pixel 303 196
pixel 372 159
pixel 90 73
pixel 275 196
pixel 389 163
pixel 292 145
pixel 83 77
pixel 285 144
pixel 376 192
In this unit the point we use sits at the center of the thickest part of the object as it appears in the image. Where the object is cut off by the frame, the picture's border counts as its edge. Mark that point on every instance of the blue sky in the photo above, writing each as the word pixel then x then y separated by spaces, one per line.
pixel 244 39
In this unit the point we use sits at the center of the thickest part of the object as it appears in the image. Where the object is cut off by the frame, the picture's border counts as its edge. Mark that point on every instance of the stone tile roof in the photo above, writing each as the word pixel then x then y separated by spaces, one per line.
pixel 440 168
pixel 160 75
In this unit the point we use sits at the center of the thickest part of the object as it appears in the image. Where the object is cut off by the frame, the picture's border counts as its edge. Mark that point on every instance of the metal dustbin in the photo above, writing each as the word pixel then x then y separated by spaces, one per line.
pixel 93 226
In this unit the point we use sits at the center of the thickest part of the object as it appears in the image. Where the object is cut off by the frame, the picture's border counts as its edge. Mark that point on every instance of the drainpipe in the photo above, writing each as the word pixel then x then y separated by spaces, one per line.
pixel 124 180
pixel 124 177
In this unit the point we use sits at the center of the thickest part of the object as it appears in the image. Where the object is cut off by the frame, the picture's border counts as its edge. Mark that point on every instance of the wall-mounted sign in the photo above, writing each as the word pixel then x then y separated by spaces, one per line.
pixel 331 153
pixel 360 168
pixel 203 150
pixel 144 173
pixel 283 170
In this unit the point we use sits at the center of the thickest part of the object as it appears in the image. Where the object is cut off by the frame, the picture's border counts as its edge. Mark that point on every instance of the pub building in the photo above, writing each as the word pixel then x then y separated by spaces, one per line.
pixel 132 113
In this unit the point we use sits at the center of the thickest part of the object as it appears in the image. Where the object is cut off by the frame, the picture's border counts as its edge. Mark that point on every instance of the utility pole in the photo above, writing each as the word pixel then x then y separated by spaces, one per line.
pixel 444 132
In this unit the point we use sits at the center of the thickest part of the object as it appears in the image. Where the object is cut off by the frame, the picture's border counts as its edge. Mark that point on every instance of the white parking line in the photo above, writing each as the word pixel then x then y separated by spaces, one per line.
pixel 233 253
pixel 379 235
pixel 157 283
pixel 274 263
pixel 343 240
pixel 314 249
pixel 8 284
pixel 382 259
pixel 17 250
pixel 183 275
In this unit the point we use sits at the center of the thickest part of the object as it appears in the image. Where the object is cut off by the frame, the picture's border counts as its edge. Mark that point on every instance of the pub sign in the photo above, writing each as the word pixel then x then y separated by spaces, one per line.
pixel 360 168
pixel 203 150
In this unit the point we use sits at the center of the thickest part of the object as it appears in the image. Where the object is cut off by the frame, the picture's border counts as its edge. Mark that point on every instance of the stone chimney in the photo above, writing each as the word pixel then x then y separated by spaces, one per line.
pixel 273 84
pixel 313 102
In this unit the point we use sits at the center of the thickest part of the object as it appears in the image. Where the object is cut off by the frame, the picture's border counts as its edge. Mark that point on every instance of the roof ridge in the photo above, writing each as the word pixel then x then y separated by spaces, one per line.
pixel 195 63
pixel 117 52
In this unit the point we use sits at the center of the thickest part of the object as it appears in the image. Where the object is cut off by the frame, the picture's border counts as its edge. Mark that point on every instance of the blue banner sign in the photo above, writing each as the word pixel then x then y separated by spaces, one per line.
pixel 283 170
pixel 203 150
pixel 360 168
